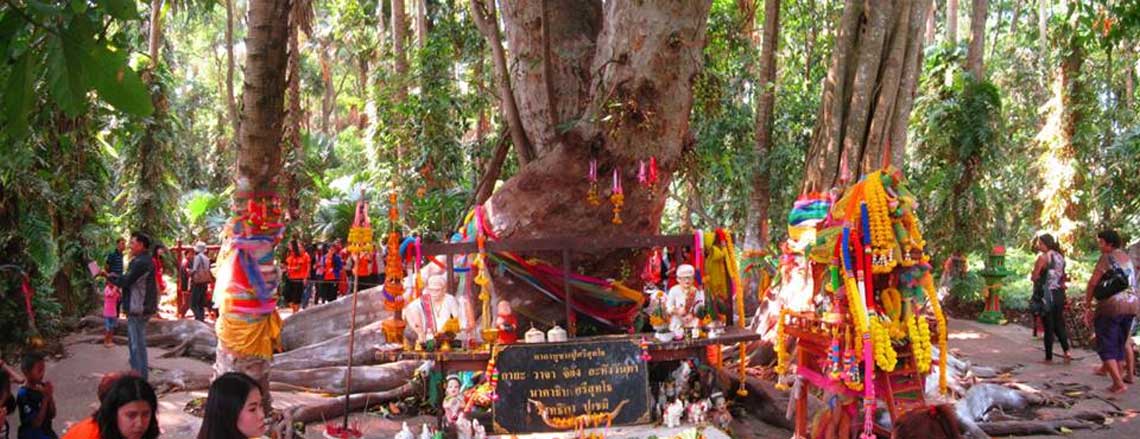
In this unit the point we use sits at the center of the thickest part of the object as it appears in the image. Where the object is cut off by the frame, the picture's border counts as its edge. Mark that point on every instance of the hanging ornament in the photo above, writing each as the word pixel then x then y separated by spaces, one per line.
pixel 651 174
pixel 617 198
pixel 592 177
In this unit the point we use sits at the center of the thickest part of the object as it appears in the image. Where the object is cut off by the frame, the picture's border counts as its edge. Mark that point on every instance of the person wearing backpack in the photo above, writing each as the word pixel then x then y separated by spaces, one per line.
pixel 1116 306
pixel 200 280
pixel 1049 294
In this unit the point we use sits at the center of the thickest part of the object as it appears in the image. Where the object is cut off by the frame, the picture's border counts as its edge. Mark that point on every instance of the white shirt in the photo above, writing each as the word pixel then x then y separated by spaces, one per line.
pixel 678 300
pixel 442 311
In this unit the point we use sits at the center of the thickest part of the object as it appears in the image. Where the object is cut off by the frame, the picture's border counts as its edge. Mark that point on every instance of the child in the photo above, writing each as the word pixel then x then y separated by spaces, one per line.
pixel 35 400
pixel 7 402
pixel 110 313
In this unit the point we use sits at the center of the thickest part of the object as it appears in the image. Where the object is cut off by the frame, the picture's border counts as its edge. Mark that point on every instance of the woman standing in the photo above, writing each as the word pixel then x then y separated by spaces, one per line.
pixel 233 409
pixel 297 262
pixel 1049 293
pixel 1112 319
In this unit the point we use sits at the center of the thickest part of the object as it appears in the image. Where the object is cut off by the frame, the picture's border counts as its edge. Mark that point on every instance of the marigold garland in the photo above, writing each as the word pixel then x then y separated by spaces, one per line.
pixel 782 355
pixel 936 308
pixel 919 331
pixel 885 356
pixel 883 241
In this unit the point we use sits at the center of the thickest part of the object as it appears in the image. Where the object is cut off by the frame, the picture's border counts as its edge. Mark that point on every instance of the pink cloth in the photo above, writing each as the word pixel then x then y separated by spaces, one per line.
pixel 110 301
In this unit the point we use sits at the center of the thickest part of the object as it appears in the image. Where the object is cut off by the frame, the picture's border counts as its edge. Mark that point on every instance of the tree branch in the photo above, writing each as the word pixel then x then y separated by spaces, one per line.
pixel 484 15
pixel 494 168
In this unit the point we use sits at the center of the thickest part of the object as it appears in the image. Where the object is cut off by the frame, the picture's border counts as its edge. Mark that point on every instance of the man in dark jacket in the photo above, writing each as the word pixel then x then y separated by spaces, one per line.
pixel 140 298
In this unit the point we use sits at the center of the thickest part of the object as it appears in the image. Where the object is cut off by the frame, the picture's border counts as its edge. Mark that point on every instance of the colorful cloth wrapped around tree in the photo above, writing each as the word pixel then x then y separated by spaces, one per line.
pixel 246 292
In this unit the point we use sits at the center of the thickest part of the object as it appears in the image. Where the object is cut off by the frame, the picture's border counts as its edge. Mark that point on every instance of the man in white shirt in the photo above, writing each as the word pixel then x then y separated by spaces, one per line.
pixel 684 301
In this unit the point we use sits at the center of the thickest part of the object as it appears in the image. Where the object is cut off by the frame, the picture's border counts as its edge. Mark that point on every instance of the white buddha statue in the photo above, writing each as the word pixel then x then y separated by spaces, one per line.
pixel 435 313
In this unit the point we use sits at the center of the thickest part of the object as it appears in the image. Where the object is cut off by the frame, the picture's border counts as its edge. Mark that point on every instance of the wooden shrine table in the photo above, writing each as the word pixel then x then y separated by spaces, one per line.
pixel 459 360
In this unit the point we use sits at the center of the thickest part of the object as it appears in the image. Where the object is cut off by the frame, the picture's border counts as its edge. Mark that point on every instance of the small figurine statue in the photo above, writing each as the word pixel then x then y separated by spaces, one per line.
pixel 435 315
pixel 684 303
pixel 658 317
pixel 405 432
pixel 698 412
pixel 463 427
pixel 673 413
pixel 681 378
pixel 506 323
pixel 426 433
pixel 480 432
pixel 721 417
pixel 666 392
pixel 452 402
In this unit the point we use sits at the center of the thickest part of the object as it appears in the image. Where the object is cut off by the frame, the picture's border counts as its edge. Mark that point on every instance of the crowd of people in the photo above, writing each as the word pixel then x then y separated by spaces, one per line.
pixel 128 407
pixel 316 273
pixel 1111 304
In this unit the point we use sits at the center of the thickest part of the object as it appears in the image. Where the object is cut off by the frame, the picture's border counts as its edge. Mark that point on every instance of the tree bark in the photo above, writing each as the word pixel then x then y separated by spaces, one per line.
pixel 300 15
pixel 640 77
pixel 421 24
pixel 868 94
pixel 155 43
pixel 756 231
pixel 928 36
pixel 231 103
pixel 491 173
pixel 259 157
pixel 486 19
pixel 912 68
pixel 974 61
pixel 399 55
pixel 952 22
pixel 550 42
pixel 1043 11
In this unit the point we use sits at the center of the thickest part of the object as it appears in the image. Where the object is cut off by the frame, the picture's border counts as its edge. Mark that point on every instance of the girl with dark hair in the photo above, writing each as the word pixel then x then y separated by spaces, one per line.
pixel 934 422
pixel 128 409
pixel 1049 293
pixel 297 271
pixel 233 409
pixel 1112 320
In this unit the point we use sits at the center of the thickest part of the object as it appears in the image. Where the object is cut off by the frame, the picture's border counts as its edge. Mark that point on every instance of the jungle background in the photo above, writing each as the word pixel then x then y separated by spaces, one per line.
pixel 121 115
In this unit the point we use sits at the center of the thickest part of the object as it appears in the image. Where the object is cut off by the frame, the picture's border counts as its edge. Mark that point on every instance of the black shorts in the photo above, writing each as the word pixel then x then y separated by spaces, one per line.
pixel 293 290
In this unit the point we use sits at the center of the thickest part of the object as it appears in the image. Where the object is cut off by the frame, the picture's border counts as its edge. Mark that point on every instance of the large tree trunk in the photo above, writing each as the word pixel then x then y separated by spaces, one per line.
pixel 1063 114
pixel 300 18
pixel 868 93
pixel 155 41
pixel 952 21
pixel 258 167
pixel 231 103
pixel 756 229
pixel 421 24
pixel 399 54
pixel 632 102
pixel 974 62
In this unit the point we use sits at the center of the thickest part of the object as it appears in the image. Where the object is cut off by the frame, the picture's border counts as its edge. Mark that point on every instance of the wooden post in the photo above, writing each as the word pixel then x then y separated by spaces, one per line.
pixel 450 272
pixel 571 323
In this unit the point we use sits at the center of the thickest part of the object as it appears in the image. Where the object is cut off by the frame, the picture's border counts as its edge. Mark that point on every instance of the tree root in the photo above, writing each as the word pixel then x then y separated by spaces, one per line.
pixel 334 406
pixel 364 378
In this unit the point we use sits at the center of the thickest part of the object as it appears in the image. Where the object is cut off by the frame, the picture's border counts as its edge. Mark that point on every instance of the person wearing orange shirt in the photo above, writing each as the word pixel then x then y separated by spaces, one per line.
pixel 365 270
pixel 297 265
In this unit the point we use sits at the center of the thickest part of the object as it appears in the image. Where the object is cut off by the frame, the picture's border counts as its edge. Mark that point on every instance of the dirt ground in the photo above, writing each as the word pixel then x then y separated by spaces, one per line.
pixel 76 375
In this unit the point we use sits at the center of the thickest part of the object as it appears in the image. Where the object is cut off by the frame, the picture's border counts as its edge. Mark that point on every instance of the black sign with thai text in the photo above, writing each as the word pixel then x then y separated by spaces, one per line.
pixel 562 386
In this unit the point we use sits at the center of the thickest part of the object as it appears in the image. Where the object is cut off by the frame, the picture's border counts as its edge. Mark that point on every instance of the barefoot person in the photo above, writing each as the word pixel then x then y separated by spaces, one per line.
pixel 1112 319
pixel 1049 293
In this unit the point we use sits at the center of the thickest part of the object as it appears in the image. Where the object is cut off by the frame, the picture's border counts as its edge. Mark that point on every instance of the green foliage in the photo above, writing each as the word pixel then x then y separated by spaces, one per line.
pixel 66 52
pixel 957 143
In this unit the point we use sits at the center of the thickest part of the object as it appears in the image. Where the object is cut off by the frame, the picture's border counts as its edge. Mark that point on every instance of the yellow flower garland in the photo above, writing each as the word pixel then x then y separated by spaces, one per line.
pixel 932 297
pixel 857 311
pixel 883 242
pixel 920 342
pixel 892 304
pixel 782 355
pixel 885 355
